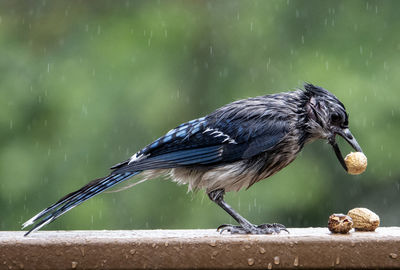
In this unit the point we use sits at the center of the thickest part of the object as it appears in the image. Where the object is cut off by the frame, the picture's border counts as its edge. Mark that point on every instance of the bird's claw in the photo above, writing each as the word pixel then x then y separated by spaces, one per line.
pixel 260 229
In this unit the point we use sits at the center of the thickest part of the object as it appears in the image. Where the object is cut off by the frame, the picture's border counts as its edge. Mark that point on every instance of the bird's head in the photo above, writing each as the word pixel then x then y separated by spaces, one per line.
pixel 327 117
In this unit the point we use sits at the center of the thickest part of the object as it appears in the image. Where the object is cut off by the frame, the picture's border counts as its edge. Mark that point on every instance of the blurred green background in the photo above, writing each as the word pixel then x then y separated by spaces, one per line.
pixel 84 85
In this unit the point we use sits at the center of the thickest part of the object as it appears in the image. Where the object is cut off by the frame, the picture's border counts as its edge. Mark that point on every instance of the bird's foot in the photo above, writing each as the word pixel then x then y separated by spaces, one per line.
pixel 260 229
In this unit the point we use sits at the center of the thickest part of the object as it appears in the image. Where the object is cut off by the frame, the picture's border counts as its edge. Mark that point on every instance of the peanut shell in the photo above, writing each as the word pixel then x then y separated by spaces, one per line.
pixel 339 223
pixel 356 162
pixel 364 219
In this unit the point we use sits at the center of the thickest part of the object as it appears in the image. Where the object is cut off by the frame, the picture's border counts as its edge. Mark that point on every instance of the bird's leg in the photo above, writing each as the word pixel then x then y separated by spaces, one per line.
pixel 217 196
pixel 245 226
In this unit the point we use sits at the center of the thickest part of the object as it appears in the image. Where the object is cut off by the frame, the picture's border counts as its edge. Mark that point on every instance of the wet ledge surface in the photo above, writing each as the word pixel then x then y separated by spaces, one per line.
pixel 202 249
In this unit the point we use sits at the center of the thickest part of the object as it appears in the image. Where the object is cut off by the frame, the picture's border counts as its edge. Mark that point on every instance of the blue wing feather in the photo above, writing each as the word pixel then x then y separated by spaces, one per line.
pixel 209 141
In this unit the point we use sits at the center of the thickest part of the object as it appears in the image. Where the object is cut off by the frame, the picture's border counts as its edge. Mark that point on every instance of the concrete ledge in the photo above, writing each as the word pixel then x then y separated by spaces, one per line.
pixel 205 249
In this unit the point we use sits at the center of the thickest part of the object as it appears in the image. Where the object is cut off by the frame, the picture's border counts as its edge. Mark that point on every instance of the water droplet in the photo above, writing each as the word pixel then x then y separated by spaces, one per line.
pixel 154 245
pixel 296 261
pixel 277 260
pixel 132 251
pixel 82 251
pixel 269 266
pixel 262 250
pixel 250 261
pixel 337 260
pixel 74 265
pixel 247 246
pixel 166 244
pixel 213 244
pixel 393 255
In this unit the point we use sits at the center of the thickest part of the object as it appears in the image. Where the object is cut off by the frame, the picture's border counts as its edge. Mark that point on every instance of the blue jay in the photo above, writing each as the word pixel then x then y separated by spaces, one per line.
pixel 232 148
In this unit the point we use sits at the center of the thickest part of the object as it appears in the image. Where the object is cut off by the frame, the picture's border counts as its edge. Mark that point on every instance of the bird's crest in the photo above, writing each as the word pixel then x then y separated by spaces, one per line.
pixel 317 91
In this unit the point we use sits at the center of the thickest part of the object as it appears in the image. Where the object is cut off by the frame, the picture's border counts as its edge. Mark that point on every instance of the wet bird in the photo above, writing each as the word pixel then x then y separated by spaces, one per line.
pixel 230 149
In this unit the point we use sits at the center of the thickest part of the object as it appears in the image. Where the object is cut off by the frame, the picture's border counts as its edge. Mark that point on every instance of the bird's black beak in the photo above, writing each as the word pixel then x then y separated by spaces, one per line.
pixel 346 134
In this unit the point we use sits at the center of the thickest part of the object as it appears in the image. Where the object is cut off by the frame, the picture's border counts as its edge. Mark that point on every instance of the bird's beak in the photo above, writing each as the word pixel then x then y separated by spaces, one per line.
pixel 346 134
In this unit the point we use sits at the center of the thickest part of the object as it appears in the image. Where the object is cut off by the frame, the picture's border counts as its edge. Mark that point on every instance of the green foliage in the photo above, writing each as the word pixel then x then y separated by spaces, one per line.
pixel 84 85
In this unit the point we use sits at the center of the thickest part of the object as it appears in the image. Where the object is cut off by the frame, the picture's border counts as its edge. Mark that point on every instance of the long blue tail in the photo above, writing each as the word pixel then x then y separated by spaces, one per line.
pixel 74 199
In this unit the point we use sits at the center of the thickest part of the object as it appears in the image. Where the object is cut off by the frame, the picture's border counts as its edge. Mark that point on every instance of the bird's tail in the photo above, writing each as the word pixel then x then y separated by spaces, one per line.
pixel 74 199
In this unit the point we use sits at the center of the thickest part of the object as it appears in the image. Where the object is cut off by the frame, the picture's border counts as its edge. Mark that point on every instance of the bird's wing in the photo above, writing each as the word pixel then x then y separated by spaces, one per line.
pixel 205 141
pixel 266 138
pixel 189 143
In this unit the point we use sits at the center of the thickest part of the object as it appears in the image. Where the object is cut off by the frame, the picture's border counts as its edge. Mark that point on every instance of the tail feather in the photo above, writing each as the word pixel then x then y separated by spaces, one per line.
pixel 63 200
pixel 74 199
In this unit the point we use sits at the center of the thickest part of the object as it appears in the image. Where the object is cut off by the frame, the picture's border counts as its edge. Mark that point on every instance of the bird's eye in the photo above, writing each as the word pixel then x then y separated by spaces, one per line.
pixel 335 118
